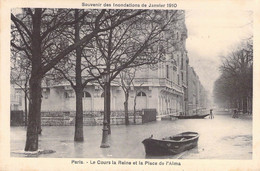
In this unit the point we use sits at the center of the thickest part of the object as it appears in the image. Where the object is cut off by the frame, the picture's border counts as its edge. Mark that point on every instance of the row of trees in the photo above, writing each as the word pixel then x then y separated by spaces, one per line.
pixel 234 87
pixel 82 46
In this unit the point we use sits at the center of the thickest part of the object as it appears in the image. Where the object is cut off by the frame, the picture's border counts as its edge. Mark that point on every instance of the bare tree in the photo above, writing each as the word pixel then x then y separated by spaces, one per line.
pixel 235 84
pixel 77 66
pixel 20 74
pixel 37 31
pixel 138 42
pixel 125 82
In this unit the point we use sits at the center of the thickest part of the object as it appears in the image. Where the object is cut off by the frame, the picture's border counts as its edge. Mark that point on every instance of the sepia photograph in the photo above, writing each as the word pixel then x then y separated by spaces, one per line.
pixel 126 84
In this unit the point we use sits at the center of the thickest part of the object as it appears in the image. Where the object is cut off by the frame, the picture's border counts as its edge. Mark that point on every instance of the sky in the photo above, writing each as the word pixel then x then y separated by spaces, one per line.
pixel 212 34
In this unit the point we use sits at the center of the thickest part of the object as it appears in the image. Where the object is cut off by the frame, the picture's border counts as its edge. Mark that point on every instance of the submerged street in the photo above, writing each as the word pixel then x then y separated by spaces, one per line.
pixel 220 138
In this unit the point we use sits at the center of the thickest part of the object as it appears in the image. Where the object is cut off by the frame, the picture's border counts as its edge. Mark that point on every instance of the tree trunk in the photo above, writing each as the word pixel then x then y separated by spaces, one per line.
pixel 25 106
pixel 135 109
pixel 109 56
pixel 34 114
pixel 240 103
pixel 35 85
pixel 244 104
pixel 78 136
pixel 250 104
pixel 126 108
pixel 108 107
pixel 39 125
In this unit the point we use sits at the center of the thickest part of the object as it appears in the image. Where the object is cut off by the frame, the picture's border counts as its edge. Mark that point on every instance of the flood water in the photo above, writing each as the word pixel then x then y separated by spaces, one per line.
pixel 220 138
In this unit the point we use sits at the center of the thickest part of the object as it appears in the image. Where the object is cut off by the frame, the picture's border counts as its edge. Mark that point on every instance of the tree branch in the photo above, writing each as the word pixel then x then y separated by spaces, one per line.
pixel 16 20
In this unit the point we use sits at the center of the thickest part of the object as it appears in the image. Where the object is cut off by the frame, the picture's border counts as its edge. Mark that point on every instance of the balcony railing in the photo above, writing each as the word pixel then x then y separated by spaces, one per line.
pixel 139 81
pixel 170 84
pixel 157 82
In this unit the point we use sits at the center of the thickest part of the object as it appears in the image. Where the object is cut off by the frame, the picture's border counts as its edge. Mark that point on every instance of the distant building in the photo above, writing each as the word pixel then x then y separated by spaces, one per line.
pixel 197 95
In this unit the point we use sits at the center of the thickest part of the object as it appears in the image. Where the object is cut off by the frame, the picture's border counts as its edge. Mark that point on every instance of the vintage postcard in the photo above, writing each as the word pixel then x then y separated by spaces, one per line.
pixel 129 85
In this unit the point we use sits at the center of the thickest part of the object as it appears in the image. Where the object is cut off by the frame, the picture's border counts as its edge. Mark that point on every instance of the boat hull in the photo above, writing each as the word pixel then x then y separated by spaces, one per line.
pixel 193 116
pixel 171 147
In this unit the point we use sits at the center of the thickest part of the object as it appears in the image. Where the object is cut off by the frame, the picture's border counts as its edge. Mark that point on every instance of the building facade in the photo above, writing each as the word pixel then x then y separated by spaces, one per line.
pixel 171 87
pixel 197 95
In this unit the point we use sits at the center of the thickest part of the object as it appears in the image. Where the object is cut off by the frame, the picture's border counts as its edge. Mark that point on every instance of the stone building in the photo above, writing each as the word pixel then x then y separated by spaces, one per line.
pixel 16 101
pixel 197 95
pixel 171 87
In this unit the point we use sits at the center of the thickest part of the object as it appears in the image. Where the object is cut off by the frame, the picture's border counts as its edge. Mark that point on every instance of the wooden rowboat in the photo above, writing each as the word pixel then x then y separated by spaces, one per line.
pixel 171 145
pixel 192 116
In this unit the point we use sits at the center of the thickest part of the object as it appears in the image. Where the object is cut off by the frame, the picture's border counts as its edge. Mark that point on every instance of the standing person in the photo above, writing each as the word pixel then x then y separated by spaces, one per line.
pixel 235 114
pixel 211 113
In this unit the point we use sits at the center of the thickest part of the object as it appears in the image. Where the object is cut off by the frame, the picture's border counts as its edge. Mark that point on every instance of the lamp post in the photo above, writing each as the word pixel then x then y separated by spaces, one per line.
pixel 104 143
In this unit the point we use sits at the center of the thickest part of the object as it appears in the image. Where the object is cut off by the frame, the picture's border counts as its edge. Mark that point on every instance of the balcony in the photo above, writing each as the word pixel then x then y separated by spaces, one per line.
pixel 170 84
pixel 142 81
pixel 157 82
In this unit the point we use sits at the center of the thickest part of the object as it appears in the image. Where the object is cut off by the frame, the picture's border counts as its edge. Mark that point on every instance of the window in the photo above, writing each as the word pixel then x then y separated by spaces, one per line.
pixel 46 93
pixel 141 94
pixel 66 94
pixel 20 100
pixel 69 94
pixel 167 71
pixel 182 63
pixel 86 94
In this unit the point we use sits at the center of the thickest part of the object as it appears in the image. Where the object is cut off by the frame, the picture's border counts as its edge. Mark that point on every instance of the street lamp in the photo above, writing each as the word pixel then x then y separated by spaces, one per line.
pixel 104 143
